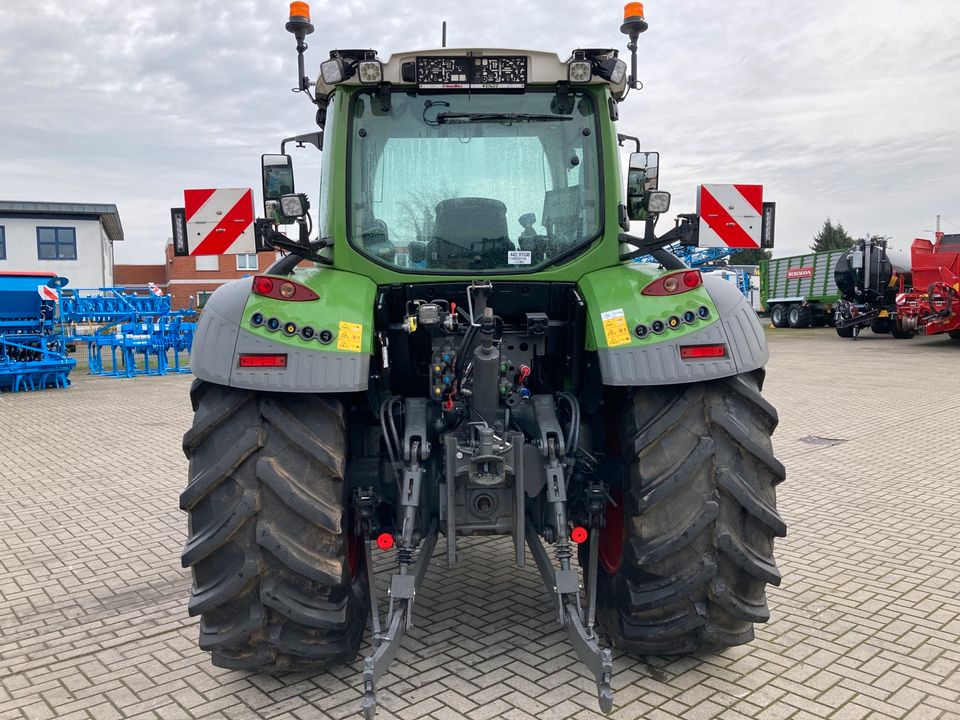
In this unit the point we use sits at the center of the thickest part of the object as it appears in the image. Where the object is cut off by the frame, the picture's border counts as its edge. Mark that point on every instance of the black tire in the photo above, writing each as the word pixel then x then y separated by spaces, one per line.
pixel 778 316
pixel 881 326
pixel 699 519
pixel 905 334
pixel 800 316
pixel 845 332
pixel 954 334
pixel 278 580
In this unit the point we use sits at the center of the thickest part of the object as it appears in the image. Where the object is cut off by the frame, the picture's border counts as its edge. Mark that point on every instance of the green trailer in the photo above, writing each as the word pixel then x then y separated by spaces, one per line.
pixel 800 291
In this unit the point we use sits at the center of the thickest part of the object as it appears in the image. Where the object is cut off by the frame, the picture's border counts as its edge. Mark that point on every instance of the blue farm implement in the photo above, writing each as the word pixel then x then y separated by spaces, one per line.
pixel 33 352
pixel 128 334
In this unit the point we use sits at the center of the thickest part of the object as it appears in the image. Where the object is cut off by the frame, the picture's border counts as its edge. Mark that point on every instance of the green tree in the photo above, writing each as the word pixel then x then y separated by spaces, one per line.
pixel 749 257
pixel 831 237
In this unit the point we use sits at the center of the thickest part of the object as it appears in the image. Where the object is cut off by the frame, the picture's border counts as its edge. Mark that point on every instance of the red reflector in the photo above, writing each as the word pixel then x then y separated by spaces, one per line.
pixel 579 535
pixel 384 541
pixel 695 352
pixel 262 285
pixel 263 361
pixel 692 278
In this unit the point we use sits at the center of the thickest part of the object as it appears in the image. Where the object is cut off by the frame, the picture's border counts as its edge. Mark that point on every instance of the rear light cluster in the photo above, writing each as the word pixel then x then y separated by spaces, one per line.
pixel 282 289
pixel 674 283
pixel 674 322
pixel 289 328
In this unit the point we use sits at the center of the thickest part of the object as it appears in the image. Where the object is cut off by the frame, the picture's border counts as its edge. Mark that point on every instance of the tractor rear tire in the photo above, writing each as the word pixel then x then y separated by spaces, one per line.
pixel 800 316
pixel 278 579
pixel 698 518
pixel 778 316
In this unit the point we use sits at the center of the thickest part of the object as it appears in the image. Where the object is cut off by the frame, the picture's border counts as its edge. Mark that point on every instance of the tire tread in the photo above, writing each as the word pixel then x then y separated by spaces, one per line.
pixel 701 482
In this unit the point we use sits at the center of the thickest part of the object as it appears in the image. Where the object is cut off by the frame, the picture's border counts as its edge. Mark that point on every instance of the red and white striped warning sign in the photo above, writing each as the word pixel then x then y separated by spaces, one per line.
pixel 47 293
pixel 219 221
pixel 730 215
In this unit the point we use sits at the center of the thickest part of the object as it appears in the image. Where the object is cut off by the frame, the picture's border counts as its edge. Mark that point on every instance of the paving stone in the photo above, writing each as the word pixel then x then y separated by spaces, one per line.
pixel 93 619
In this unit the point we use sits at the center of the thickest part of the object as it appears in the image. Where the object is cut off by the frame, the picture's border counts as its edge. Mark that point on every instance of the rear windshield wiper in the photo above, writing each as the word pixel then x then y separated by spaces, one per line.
pixel 498 117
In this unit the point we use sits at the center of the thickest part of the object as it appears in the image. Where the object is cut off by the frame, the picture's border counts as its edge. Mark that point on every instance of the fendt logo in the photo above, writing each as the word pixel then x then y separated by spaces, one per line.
pixel 799 272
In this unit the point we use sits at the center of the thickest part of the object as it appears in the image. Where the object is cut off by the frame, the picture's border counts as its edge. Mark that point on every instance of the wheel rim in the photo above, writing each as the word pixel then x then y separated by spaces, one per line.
pixel 610 551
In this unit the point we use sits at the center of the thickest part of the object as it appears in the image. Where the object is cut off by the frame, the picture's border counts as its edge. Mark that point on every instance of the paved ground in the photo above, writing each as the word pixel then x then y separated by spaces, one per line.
pixel 866 624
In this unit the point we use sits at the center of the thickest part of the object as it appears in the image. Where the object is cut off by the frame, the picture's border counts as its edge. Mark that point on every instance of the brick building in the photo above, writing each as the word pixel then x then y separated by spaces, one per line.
pixel 191 280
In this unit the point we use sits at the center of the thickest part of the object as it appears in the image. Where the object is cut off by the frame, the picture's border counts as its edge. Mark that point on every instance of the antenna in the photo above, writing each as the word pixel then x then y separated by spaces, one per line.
pixel 939 235
pixel 443 39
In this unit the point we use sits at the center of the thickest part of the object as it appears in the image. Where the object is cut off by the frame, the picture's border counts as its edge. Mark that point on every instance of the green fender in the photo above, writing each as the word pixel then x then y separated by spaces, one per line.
pixel 624 328
pixel 327 342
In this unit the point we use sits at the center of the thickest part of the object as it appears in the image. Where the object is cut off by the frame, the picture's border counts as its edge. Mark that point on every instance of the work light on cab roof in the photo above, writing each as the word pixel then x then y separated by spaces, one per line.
pixel 469 69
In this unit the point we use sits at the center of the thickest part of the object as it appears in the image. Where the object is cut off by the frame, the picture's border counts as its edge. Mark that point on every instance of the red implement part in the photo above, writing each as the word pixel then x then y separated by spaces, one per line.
pixel 933 306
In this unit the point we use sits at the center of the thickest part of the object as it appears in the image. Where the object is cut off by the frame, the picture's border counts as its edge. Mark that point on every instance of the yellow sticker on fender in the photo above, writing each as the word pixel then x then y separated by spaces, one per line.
pixel 615 327
pixel 349 336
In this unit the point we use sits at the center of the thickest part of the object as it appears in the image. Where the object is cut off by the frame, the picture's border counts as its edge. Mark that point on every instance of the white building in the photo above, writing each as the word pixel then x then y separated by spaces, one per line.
pixel 70 239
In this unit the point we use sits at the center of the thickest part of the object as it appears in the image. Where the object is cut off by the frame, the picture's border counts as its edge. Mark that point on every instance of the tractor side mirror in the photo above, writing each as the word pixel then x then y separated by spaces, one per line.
pixel 277 171
pixel 642 177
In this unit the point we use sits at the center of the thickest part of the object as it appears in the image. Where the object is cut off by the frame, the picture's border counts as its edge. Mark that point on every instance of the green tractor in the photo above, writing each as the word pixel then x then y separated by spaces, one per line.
pixel 464 347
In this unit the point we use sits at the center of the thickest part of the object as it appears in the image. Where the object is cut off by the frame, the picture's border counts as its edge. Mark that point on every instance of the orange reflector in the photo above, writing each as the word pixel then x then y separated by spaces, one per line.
pixel 630 10
pixel 384 541
pixel 697 352
pixel 300 9
pixel 263 361
pixel 579 535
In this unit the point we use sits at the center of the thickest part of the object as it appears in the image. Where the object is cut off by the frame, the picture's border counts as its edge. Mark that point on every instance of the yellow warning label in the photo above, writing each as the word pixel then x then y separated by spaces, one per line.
pixel 349 336
pixel 884 313
pixel 615 328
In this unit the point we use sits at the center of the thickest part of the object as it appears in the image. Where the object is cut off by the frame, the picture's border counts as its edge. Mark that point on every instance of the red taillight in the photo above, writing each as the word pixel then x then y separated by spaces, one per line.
pixel 699 352
pixel 262 285
pixel 263 361
pixel 282 289
pixel 674 283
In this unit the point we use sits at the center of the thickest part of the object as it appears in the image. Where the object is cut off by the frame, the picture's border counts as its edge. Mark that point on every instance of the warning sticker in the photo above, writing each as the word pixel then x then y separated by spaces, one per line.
pixel 615 327
pixel 349 336
pixel 519 257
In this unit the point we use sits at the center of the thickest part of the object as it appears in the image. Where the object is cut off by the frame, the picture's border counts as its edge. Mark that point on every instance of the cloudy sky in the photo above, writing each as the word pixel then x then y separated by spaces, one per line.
pixel 840 108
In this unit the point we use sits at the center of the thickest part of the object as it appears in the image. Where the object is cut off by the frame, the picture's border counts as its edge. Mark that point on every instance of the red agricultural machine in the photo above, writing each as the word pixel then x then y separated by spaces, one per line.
pixel 933 305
